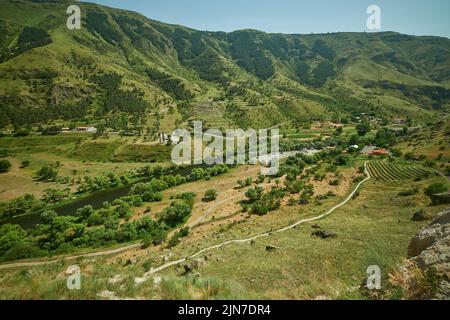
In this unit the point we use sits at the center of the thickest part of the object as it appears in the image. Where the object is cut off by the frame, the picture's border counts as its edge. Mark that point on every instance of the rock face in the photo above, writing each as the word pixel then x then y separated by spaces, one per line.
pixel 430 251
pixel 434 235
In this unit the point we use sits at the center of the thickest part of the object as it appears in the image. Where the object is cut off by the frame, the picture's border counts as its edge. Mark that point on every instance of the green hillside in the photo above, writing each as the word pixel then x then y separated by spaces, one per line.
pixel 122 63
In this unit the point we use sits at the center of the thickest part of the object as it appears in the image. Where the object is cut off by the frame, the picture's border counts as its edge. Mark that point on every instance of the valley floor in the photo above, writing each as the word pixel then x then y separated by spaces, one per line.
pixel 374 228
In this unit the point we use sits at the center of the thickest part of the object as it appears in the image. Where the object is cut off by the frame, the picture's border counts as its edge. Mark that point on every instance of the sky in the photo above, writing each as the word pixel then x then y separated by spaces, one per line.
pixel 415 17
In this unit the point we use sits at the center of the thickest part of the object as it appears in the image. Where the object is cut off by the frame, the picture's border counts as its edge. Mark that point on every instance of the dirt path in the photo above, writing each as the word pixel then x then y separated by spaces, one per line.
pixel 87 255
pixel 173 263
pixel 210 210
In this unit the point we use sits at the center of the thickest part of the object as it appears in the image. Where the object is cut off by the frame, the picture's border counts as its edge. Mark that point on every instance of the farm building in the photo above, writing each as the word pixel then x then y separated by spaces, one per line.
pixel 87 129
pixel 379 152
pixel 368 150
pixel 375 151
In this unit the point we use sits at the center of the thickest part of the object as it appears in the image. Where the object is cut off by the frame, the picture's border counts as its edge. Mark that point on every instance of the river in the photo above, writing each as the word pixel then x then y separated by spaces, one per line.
pixel 96 200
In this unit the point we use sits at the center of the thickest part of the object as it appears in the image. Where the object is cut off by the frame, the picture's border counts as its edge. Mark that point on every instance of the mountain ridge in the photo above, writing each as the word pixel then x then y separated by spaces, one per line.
pixel 253 78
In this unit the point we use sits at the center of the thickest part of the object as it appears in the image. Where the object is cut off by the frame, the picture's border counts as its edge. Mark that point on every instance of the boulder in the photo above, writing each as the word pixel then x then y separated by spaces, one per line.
pixel 115 279
pixel 324 234
pixel 271 248
pixel 429 254
pixel 193 265
pixel 420 215
pixel 428 236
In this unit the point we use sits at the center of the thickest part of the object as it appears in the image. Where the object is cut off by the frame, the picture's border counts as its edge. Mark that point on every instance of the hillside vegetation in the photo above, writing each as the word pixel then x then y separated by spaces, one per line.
pixel 121 62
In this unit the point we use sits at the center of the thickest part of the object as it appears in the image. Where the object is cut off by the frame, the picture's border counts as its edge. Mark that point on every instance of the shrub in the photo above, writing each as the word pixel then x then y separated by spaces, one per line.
pixel 254 194
pixel 21 133
pixel 408 193
pixel 396 153
pixel 210 195
pixel 435 188
pixel 3 152
pixel 175 239
pixel 5 166
pixel 335 182
pixel 47 173
pixel 409 156
pixel 152 196
pixel 260 209
pixel 188 198
pixel 55 195
pixel 341 160
pixel 159 236
pixel 25 164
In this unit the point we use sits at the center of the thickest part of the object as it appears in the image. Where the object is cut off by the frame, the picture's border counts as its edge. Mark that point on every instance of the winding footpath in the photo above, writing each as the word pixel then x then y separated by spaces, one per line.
pixel 173 263
pixel 239 241
pixel 80 256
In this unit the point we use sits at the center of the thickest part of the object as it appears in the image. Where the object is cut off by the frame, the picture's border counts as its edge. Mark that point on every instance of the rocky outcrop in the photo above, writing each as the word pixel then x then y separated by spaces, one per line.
pixel 61 93
pixel 434 236
pixel 426 275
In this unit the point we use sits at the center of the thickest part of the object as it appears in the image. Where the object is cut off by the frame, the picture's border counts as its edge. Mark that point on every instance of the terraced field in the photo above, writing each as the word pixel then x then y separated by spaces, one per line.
pixel 210 114
pixel 386 171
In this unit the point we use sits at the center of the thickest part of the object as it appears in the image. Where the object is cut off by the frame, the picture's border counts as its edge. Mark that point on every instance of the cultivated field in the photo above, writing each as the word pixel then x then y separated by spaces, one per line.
pixel 386 171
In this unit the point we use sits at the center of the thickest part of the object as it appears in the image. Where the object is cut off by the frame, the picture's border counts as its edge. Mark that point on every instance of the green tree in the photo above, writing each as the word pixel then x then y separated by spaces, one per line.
pixel 341 160
pixel 47 217
pixel 55 195
pixel 175 214
pixel 10 236
pixel 363 128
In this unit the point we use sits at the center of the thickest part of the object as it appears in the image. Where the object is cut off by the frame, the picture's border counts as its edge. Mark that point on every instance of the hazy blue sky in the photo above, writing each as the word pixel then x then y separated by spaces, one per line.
pixel 419 17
